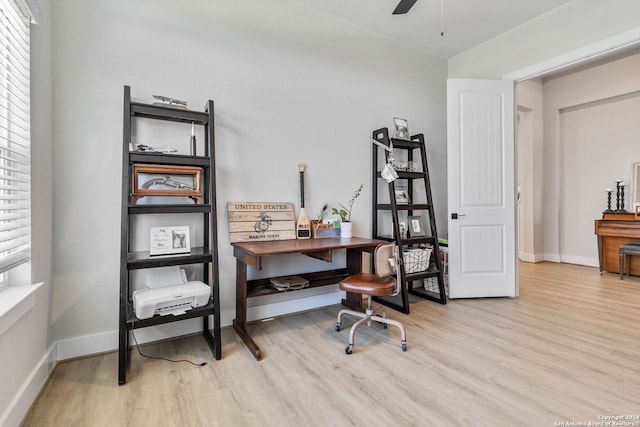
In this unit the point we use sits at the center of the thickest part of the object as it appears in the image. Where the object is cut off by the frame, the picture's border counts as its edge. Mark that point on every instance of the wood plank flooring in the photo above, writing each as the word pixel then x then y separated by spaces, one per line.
pixel 567 349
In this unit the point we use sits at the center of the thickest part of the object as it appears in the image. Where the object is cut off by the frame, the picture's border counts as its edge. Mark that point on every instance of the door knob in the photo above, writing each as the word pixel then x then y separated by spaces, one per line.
pixel 456 215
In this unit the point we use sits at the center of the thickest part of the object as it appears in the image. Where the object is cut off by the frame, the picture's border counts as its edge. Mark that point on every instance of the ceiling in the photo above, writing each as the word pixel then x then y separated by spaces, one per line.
pixel 467 23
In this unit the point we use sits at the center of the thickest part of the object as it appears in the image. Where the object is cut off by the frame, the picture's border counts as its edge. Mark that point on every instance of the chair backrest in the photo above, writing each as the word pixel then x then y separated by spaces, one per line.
pixel 385 259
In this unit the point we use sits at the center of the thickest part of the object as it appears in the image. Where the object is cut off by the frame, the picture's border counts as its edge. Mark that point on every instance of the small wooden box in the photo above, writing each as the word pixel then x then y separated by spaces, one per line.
pixel 180 181
pixel 324 230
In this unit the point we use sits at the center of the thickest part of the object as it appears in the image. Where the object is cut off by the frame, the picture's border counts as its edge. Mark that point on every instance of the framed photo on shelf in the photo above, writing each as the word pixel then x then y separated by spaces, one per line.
pixel 169 240
pixel 403 229
pixel 402 129
pixel 416 229
pixel 402 196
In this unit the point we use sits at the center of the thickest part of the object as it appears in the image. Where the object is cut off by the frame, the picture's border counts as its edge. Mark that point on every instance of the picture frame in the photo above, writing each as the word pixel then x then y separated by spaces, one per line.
pixel 402 195
pixel 416 228
pixel 403 229
pixel 169 240
pixel 402 128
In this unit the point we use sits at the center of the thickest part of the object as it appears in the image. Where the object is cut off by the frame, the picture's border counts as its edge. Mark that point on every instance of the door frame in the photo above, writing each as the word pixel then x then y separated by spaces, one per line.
pixel 591 52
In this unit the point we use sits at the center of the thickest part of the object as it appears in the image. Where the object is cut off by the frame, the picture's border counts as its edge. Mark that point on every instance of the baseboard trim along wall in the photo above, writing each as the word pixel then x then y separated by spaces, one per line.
pixel 108 341
pixel 27 394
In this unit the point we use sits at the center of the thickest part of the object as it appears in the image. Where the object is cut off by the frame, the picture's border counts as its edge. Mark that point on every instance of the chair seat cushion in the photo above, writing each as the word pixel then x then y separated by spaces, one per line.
pixel 630 248
pixel 369 284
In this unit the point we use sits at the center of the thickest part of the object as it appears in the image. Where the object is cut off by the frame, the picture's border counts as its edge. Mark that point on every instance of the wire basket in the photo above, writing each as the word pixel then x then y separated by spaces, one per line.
pixel 416 260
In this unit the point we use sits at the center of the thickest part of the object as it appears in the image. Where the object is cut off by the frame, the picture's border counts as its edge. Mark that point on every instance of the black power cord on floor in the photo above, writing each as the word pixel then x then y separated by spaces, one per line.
pixel 158 357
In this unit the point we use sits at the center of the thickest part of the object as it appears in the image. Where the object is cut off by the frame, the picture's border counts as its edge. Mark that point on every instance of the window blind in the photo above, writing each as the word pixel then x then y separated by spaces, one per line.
pixel 15 136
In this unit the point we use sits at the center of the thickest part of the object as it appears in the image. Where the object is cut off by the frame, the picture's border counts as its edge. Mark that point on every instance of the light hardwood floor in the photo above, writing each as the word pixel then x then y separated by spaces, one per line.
pixel 567 349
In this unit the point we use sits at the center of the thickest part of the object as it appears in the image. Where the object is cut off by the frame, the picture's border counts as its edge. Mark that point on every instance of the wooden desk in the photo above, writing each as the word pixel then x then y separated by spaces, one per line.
pixel 252 254
pixel 613 230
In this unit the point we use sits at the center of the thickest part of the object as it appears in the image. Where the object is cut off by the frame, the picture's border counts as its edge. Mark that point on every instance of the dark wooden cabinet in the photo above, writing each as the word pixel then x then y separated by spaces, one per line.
pixel 401 202
pixel 204 257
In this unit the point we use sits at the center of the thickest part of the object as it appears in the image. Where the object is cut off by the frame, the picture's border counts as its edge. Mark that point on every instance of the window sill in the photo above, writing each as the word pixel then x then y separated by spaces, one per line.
pixel 15 302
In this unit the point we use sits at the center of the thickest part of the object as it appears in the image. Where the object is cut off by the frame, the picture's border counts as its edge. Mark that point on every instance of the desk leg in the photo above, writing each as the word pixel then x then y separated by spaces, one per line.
pixel 240 322
pixel 354 265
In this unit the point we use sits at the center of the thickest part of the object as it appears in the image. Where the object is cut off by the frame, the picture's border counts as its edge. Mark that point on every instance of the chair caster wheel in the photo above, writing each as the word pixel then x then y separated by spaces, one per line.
pixel 349 349
pixel 337 327
pixel 404 346
pixel 384 325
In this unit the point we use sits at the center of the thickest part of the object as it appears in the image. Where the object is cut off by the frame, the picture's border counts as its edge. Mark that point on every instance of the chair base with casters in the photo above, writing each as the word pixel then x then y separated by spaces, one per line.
pixel 366 317
pixel 381 283
pixel 624 253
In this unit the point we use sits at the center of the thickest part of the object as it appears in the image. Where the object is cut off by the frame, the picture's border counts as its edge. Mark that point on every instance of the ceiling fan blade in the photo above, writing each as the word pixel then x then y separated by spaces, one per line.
pixel 403 7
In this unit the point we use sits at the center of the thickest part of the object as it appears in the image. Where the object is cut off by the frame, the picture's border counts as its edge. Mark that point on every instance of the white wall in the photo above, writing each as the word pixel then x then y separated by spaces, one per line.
pixel 571 26
pixel 290 85
pixel 27 348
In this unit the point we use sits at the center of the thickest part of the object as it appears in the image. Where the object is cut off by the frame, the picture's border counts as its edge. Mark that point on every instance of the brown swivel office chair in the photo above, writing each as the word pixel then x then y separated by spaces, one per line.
pixel 379 284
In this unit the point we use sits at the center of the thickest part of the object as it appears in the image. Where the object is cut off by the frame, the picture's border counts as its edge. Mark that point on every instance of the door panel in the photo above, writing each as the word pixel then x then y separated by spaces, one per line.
pixel 481 194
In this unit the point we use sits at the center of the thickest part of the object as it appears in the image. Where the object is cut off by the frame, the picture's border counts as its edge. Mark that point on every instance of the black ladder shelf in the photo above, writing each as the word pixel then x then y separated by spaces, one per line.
pixel 206 256
pixel 428 284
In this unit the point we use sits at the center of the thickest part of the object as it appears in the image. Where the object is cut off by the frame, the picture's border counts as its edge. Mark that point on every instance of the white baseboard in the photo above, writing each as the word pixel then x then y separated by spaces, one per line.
pixel 526 257
pixel 23 399
pixel 580 260
pixel 108 341
pixel 552 257
pixel 571 259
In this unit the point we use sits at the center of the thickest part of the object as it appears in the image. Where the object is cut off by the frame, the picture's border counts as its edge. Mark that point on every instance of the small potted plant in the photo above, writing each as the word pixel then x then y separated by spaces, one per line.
pixel 345 213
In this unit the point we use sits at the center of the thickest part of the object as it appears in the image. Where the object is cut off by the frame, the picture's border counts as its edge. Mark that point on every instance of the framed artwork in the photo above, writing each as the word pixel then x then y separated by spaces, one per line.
pixel 169 240
pixel 402 129
pixel 402 196
pixel 416 229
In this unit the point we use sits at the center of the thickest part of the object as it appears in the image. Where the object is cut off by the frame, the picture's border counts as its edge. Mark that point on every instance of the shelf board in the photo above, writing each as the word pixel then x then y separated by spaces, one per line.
pixel 135 323
pixel 403 206
pixel 138 260
pixel 168 159
pixel 260 287
pixel 431 272
pixel 168 113
pixel 405 143
pixel 165 208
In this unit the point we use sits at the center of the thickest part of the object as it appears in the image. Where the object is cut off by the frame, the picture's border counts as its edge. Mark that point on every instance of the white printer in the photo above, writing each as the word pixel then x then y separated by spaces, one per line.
pixel 167 291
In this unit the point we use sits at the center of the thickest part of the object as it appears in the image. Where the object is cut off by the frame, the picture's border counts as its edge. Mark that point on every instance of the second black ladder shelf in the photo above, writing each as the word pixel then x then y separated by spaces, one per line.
pixel 409 197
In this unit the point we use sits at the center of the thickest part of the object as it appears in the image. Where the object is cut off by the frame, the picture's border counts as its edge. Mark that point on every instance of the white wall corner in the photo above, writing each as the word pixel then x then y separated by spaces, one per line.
pixel 27 394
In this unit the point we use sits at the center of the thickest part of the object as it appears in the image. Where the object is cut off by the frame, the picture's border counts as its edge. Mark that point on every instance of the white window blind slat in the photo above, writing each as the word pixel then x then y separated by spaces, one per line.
pixel 15 134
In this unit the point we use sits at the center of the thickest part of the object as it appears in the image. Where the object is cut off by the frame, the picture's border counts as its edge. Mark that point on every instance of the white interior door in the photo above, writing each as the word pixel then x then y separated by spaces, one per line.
pixel 481 188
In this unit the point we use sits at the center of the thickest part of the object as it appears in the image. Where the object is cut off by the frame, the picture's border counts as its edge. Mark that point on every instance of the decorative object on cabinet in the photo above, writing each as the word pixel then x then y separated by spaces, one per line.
pixel 166 181
pixel 401 195
pixel 303 226
pixel 388 209
pixel 402 128
pixel 199 169
pixel 345 211
pixel 416 229
pixel 608 210
pixel 169 240
pixel 170 102
pixel 261 221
